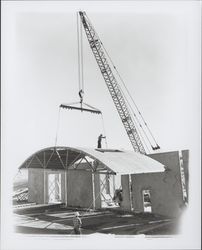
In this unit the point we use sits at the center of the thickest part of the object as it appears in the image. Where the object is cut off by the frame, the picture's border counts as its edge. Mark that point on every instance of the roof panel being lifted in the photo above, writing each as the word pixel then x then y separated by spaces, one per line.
pixel 115 161
pixel 126 162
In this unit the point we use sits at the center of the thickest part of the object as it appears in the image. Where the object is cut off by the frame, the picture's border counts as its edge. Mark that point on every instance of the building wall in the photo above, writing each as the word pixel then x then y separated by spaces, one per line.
pixel 97 190
pixel 47 172
pixel 172 161
pixel 163 199
pixel 185 157
pixel 79 188
pixel 126 203
pixel 96 182
pixel 165 188
pixel 36 185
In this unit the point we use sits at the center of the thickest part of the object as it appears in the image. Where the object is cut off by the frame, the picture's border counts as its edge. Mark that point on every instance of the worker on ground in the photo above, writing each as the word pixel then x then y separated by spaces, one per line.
pixel 118 196
pixel 100 137
pixel 77 223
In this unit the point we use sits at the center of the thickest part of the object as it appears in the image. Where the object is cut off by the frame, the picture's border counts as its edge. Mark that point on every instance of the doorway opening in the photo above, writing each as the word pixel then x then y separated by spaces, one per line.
pixel 54 188
pixel 109 185
pixel 147 201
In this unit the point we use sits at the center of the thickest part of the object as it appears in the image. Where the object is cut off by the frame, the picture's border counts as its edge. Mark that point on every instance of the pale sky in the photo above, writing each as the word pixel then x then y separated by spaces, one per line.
pixel 154 45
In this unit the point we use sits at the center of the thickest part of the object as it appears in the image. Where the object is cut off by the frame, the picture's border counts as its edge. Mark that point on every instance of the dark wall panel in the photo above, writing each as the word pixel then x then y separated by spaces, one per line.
pixel 79 188
pixel 126 203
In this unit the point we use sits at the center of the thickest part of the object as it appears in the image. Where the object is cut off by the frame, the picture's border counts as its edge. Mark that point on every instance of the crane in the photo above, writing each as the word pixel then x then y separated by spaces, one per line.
pixel 113 86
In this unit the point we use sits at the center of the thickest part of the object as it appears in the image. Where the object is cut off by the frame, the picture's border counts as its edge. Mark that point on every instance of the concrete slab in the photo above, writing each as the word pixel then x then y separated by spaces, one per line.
pixel 98 222
pixel 61 215
pixel 59 226
pixel 35 224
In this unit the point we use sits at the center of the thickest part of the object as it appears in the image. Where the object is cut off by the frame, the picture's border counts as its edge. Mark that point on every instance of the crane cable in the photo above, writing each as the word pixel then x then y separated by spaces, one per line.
pixel 80 55
pixel 80 77
pixel 57 127
pixel 128 94
pixel 80 66
pixel 137 122
pixel 132 101
pixel 78 51
pixel 136 107
pixel 138 125
pixel 103 127
pixel 121 89
pixel 81 44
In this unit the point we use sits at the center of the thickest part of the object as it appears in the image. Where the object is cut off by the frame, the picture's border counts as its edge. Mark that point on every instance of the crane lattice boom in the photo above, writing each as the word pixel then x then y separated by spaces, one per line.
pixel 111 82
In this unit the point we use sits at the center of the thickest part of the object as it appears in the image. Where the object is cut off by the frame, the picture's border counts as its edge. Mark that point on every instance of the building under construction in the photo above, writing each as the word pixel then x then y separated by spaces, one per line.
pixel 87 178
pixel 99 179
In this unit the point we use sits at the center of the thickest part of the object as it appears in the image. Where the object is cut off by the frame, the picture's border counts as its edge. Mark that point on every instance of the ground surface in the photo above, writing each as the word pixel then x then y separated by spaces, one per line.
pixel 56 220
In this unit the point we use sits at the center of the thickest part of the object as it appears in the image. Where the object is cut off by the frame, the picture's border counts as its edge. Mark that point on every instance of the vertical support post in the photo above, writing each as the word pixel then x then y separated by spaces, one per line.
pixel 66 160
pixel 44 177
pixel 182 177
pixel 93 185
pixel 131 195
pixel 66 169
pixel 44 159
pixel 66 187
pixel 114 186
pixel 44 180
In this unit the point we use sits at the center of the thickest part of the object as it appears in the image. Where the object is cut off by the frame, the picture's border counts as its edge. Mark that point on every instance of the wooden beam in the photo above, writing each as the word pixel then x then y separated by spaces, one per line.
pixel 60 158
pixel 36 156
pixel 89 164
pixel 79 155
pixel 66 161
pixel 49 158
pixel 79 163
pixel 30 161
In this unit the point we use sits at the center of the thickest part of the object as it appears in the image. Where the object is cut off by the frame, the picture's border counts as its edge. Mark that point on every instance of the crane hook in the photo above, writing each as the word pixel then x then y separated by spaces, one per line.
pixel 81 93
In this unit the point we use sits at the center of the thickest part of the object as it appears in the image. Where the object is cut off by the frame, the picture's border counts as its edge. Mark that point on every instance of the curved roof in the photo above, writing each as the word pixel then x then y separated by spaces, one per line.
pixel 98 160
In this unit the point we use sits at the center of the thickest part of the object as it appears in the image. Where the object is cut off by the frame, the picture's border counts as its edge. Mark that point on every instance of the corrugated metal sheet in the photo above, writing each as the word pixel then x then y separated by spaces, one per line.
pixel 120 162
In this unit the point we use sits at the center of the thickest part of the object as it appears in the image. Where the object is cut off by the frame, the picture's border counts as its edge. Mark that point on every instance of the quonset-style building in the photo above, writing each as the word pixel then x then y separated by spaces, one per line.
pixel 88 178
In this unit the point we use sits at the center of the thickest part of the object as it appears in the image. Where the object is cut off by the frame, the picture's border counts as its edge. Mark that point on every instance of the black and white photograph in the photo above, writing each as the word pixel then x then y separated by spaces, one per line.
pixel 100 108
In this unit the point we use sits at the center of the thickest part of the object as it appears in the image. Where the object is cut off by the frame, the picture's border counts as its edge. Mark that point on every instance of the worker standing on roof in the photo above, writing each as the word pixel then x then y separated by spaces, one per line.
pixel 100 137
pixel 77 223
